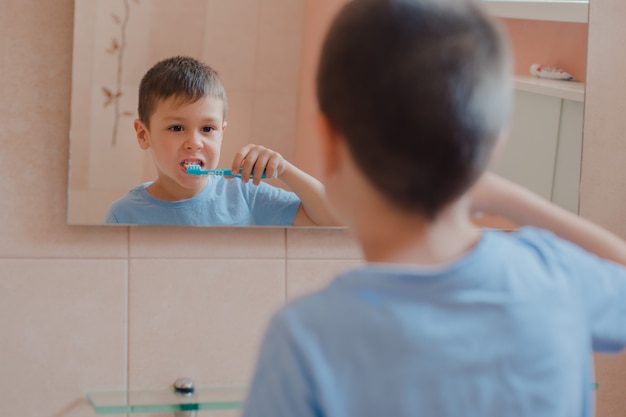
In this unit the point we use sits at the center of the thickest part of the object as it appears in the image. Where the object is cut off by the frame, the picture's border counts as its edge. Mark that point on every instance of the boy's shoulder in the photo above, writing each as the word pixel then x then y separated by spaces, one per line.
pixel 530 267
pixel 499 256
pixel 136 193
pixel 540 242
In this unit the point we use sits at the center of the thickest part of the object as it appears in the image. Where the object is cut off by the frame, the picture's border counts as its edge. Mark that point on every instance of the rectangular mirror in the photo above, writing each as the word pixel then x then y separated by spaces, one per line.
pixel 265 52
pixel 254 45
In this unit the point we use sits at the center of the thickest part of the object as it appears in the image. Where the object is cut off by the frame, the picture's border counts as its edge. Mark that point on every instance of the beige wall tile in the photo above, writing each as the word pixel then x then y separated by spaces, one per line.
pixel 185 19
pixel 603 180
pixel 306 276
pixel 274 122
pixel 239 131
pixel 318 17
pixel 321 243
pixel 35 87
pixel 35 235
pixel 230 42
pixel 199 319
pixel 279 46
pixel 62 332
pixel 207 242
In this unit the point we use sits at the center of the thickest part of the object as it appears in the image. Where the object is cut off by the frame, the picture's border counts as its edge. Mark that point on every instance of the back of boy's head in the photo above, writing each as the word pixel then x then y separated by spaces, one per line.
pixel 184 78
pixel 420 90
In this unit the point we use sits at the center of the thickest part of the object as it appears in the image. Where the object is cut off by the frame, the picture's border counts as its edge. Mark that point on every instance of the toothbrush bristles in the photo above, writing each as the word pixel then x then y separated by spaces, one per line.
pixel 194 169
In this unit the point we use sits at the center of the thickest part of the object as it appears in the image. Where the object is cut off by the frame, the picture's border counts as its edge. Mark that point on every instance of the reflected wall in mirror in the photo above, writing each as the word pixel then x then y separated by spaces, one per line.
pixel 543 151
pixel 544 146
pixel 255 46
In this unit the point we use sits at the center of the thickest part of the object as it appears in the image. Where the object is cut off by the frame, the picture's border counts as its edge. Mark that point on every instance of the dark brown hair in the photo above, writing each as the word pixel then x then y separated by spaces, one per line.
pixel 182 77
pixel 421 90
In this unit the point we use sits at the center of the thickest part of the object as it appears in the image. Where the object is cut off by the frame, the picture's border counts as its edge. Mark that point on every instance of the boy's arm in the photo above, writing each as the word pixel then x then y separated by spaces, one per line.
pixel 314 208
pixel 495 195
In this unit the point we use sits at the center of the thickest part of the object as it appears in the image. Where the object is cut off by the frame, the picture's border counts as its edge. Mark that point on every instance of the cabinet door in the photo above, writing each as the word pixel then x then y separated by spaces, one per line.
pixel 566 183
pixel 529 154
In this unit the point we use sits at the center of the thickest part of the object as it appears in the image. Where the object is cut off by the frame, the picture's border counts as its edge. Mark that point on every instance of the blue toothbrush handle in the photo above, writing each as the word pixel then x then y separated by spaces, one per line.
pixel 195 170
pixel 228 172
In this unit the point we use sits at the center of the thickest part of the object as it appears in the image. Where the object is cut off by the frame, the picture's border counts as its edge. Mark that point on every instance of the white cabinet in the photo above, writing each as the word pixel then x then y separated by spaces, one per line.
pixel 543 150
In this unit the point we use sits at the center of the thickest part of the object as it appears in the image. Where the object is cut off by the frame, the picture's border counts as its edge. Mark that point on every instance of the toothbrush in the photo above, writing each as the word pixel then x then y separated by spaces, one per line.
pixel 196 170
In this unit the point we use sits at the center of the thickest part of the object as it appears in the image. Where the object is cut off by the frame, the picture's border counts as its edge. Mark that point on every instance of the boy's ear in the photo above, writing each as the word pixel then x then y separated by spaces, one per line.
pixel 142 134
pixel 329 144
pixel 224 126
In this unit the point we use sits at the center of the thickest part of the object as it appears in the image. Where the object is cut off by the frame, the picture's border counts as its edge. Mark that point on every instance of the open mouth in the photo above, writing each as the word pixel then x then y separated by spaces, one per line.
pixel 192 162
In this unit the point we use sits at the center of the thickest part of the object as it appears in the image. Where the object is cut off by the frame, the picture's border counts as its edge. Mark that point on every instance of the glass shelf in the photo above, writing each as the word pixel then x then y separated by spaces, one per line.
pixel 165 400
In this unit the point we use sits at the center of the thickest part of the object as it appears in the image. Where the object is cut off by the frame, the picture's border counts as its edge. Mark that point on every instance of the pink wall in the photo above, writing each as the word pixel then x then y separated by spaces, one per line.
pixel 318 15
pixel 559 44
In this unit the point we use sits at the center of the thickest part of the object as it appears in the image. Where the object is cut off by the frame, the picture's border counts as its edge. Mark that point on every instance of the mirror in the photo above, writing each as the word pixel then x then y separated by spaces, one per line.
pixel 265 52
pixel 254 45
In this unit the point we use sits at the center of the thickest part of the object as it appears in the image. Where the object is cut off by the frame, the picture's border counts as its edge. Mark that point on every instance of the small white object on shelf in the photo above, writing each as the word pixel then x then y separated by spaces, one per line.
pixel 552 10
pixel 550 73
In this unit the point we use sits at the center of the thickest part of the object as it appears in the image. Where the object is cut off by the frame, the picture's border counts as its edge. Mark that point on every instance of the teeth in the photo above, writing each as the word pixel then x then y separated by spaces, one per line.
pixel 187 163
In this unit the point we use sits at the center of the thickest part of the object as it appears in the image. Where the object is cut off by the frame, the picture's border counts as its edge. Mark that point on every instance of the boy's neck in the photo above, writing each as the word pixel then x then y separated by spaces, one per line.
pixel 392 237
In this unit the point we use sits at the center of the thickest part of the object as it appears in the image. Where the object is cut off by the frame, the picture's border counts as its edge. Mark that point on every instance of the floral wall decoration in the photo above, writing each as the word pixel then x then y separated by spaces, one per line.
pixel 118 46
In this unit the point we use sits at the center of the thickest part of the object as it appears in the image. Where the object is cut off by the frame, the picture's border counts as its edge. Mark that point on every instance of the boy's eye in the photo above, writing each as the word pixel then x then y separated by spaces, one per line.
pixel 207 129
pixel 176 128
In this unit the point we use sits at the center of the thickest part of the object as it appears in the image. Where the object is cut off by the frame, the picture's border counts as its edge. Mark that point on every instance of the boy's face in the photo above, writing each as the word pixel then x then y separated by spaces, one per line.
pixel 181 135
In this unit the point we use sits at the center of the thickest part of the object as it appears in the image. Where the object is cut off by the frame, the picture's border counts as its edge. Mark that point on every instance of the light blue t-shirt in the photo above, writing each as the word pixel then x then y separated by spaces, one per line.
pixel 223 202
pixel 507 330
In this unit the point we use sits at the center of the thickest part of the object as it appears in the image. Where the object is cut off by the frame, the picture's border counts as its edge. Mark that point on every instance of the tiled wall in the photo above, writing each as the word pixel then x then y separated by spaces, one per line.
pixel 95 307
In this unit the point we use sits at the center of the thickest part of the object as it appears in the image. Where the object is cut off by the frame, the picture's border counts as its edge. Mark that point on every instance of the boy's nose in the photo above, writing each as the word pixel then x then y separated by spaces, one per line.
pixel 193 141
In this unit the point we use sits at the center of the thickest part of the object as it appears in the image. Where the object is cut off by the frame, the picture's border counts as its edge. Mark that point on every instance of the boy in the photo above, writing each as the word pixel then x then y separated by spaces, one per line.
pixel 182 109
pixel 443 319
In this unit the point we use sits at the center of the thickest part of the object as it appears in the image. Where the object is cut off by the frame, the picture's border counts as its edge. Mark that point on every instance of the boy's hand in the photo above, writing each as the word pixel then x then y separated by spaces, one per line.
pixel 258 158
